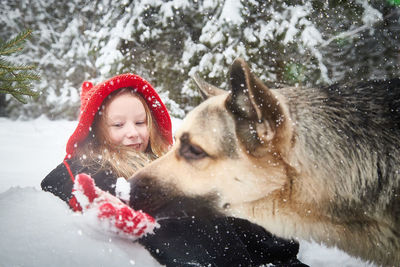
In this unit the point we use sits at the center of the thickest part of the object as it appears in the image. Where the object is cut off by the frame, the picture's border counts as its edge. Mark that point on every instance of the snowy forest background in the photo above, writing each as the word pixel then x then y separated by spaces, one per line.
pixel 302 42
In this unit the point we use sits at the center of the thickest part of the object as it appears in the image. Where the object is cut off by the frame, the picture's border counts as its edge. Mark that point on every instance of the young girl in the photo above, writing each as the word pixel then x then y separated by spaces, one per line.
pixel 123 125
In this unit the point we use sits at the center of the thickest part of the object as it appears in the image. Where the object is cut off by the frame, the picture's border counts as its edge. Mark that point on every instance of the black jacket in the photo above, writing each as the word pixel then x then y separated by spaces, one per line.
pixel 59 182
pixel 217 241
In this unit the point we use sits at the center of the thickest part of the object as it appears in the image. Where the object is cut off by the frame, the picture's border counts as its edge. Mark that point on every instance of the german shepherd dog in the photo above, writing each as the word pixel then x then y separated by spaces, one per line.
pixel 314 164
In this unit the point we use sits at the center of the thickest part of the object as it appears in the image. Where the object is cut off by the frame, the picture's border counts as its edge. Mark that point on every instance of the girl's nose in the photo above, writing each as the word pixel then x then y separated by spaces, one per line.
pixel 132 131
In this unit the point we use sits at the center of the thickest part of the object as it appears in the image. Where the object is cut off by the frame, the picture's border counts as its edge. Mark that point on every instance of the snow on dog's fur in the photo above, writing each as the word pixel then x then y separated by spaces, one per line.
pixel 321 164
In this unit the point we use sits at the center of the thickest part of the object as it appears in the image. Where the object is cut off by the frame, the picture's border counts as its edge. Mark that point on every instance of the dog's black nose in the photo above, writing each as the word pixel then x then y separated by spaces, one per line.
pixel 143 193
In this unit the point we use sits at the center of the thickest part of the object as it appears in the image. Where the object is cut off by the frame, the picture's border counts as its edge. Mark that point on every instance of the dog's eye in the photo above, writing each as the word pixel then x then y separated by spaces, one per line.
pixel 190 152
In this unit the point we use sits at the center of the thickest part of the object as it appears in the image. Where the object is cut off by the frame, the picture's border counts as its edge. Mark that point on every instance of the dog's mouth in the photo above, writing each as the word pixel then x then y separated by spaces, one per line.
pixel 165 201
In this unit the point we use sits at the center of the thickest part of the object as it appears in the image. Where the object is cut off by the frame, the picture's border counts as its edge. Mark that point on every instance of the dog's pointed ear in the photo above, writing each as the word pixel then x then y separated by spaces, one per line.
pixel 207 90
pixel 261 117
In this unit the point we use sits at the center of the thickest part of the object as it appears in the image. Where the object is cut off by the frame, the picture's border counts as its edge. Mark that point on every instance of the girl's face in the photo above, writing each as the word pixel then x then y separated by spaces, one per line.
pixel 126 122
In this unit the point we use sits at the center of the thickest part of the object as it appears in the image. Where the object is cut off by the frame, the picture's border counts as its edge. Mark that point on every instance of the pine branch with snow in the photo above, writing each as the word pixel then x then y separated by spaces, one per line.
pixel 16 78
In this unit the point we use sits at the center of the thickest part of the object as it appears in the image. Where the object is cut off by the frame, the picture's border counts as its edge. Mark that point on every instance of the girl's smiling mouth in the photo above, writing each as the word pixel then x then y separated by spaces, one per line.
pixel 135 146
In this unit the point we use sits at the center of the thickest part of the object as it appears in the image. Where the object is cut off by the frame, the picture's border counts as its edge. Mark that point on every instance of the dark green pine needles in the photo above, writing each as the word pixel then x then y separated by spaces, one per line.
pixel 16 78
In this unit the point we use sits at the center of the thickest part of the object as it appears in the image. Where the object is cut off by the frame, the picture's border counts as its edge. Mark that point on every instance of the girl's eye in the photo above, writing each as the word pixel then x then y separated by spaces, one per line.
pixel 117 124
pixel 140 122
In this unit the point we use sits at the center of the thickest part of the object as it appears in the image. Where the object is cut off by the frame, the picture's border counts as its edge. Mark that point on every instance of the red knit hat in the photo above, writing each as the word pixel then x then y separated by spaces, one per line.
pixel 92 97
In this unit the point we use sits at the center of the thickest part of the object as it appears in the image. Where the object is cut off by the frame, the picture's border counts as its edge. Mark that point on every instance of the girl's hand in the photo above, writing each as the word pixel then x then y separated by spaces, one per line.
pixel 109 212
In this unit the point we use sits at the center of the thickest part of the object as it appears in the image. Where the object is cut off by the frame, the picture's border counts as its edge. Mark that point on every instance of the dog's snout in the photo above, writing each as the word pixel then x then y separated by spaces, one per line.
pixel 141 192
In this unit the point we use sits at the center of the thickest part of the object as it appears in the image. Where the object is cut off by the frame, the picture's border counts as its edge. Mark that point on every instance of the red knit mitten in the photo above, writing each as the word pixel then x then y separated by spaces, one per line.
pixel 112 214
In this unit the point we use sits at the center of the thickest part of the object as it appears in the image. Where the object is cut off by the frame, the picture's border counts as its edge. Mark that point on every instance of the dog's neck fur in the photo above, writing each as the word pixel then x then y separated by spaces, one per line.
pixel 313 157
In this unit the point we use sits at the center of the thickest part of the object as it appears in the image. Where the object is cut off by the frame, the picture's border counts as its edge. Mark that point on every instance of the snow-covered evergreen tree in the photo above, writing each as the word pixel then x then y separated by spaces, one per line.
pixel 305 42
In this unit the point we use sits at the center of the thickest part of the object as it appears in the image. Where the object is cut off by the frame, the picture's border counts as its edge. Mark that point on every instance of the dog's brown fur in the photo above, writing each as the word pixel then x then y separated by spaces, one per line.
pixel 321 164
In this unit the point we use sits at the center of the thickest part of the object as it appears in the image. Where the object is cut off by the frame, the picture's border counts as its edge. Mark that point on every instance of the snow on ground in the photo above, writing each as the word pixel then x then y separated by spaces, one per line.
pixel 38 229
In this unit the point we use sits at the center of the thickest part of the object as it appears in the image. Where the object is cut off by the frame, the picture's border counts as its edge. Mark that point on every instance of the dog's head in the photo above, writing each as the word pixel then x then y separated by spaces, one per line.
pixel 230 151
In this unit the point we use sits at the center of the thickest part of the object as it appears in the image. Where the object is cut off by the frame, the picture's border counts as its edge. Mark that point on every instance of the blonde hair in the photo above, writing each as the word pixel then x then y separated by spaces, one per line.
pixel 97 149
